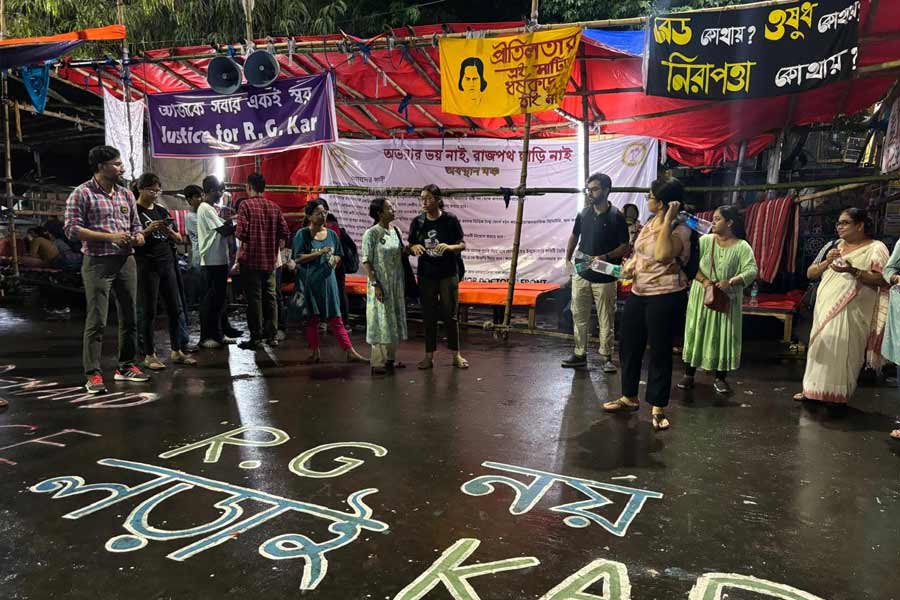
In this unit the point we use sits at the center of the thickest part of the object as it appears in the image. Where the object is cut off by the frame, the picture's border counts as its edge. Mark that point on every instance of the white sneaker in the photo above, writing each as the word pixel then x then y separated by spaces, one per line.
pixel 210 344
pixel 229 340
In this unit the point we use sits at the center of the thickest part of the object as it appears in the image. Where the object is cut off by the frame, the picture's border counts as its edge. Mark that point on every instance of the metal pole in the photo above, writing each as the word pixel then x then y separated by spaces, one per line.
pixel 586 125
pixel 740 167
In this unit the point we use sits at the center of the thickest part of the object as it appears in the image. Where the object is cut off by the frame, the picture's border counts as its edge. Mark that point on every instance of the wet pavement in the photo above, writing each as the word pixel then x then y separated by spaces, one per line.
pixel 509 463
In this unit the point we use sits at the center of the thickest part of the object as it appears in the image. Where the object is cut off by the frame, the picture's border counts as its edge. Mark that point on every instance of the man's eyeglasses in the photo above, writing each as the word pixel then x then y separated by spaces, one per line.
pixel 593 191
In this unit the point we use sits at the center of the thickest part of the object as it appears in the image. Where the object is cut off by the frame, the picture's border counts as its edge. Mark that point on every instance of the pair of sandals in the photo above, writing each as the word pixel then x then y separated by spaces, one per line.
pixel 352 357
pixel 428 363
pixel 658 421
pixel 154 364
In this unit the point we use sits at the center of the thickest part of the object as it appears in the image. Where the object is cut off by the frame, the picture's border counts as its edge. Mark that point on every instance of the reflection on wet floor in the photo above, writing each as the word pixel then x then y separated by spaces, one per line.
pixel 513 453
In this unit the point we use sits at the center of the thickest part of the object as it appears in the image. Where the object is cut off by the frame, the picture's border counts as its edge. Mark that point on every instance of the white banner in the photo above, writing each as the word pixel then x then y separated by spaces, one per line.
pixel 489 226
pixel 131 146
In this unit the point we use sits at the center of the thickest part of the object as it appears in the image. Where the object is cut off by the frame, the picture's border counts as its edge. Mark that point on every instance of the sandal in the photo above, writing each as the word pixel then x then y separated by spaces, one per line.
pixel 686 383
pixel 3 403
pixel 460 363
pixel 355 357
pixel 623 404
pixel 895 434
pixel 379 371
pixel 659 422
pixel 153 363
pixel 398 364
pixel 425 364
pixel 800 397
pixel 180 358
pixel 313 359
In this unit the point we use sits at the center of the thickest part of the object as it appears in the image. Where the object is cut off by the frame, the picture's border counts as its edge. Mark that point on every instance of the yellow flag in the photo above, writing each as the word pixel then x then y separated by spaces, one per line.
pixel 497 77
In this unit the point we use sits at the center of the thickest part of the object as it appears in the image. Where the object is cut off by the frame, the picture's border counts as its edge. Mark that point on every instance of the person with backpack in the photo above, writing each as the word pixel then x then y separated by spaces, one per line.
pixel 600 232
pixel 317 251
pixel 436 237
pixel 713 336
pixel 383 251
pixel 657 296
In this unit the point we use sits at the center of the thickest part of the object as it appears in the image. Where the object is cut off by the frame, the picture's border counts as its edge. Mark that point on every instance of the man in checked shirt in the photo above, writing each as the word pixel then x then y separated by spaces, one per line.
pixel 262 230
pixel 102 214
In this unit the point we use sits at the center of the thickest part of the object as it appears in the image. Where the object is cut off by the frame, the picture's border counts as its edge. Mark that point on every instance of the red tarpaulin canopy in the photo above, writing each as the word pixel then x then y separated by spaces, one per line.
pixel 698 133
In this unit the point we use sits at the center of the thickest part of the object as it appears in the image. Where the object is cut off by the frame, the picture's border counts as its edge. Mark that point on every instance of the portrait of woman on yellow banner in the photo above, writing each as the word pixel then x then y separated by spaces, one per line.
pixel 498 77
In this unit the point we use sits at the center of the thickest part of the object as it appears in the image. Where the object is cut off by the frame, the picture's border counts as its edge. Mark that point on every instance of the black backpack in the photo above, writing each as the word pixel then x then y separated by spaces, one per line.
pixel 692 265
pixel 350 261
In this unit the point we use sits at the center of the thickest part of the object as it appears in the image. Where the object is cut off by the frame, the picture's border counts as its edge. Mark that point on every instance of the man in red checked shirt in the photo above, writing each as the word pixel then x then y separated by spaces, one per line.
pixel 102 214
pixel 262 230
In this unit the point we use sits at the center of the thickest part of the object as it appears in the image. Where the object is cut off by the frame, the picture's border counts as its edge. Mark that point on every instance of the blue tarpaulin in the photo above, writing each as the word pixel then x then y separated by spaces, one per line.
pixel 627 42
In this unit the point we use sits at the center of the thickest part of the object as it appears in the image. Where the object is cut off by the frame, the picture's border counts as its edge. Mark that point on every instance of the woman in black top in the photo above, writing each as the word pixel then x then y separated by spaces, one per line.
pixel 156 274
pixel 436 237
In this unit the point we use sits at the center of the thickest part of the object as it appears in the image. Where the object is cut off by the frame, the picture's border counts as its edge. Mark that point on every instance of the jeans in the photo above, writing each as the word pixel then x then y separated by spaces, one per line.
pixel 604 295
pixel 154 280
pixel 262 304
pixel 440 298
pixel 212 309
pixel 653 319
pixel 102 274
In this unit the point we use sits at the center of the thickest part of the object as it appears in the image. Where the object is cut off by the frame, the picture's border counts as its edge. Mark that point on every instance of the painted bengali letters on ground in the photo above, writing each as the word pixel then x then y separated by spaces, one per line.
pixel 346 526
pixel 580 515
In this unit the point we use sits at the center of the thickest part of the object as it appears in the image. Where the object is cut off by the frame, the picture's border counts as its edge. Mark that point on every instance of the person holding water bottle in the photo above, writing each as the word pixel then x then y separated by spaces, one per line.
pixel 601 235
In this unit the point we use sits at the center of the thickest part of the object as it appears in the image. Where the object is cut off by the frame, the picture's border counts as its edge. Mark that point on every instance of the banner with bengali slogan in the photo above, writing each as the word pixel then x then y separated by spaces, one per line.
pixel 480 162
pixel 291 113
pixel 498 77
pixel 751 53
pixel 890 156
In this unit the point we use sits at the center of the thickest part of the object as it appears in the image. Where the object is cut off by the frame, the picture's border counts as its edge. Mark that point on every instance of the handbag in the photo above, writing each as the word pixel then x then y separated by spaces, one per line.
pixel 410 285
pixel 809 297
pixel 714 298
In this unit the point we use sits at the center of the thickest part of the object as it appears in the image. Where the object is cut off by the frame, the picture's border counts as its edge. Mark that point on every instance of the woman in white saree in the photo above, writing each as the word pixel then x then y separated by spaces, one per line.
pixel 849 315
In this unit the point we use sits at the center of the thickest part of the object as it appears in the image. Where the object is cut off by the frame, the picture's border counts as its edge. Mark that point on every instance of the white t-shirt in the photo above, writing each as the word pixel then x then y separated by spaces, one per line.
pixel 190 227
pixel 212 245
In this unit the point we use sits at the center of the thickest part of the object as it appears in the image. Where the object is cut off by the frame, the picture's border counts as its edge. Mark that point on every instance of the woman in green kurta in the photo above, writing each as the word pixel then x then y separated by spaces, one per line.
pixel 890 347
pixel 712 340
pixel 382 257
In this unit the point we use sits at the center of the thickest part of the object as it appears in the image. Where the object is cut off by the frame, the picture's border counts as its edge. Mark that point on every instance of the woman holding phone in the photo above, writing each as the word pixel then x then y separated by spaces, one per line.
pixel 156 275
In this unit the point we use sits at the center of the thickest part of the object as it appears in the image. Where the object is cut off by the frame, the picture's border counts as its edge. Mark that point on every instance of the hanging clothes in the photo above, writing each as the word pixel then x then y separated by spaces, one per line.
pixel 128 141
pixel 770 231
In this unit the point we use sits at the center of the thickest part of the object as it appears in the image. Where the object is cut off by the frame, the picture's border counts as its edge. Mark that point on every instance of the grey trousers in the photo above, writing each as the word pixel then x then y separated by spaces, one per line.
pixel 102 274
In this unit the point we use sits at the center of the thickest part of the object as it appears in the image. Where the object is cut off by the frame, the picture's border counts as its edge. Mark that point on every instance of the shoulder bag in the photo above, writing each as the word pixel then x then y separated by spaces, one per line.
pixel 714 298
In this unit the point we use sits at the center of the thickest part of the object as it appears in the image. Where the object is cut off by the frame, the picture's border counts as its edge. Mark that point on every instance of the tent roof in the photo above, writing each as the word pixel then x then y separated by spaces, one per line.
pixel 370 89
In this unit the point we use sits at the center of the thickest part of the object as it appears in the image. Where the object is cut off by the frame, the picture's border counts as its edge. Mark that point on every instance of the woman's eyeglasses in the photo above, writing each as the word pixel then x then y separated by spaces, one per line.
pixel 843 223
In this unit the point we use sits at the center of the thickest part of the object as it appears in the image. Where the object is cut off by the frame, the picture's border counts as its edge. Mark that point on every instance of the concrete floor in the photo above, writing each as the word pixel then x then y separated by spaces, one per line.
pixel 753 485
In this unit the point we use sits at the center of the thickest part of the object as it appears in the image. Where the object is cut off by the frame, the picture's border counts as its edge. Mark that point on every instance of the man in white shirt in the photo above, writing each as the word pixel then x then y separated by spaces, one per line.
pixel 212 246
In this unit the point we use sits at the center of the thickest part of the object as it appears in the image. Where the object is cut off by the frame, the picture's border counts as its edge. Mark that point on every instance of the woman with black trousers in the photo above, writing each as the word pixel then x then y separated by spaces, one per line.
pixel 657 298
pixel 156 276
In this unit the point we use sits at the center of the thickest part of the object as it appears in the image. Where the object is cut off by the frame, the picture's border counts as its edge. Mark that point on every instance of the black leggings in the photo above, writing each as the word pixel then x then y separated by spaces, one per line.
pixel 154 280
pixel 691 371
pixel 650 319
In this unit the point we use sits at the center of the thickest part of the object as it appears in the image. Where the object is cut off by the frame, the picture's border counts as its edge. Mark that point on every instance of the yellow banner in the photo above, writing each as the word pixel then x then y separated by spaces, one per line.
pixel 497 77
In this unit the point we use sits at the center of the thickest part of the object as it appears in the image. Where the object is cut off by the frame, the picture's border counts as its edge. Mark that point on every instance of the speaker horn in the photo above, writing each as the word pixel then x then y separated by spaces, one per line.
pixel 224 75
pixel 261 68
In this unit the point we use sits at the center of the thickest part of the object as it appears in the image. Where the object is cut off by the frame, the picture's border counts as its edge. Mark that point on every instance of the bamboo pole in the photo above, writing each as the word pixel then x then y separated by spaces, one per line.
pixel 829 192
pixel 586 123
pixel 742 152
pixel 57 115
pixel 7 152
pixel 410 192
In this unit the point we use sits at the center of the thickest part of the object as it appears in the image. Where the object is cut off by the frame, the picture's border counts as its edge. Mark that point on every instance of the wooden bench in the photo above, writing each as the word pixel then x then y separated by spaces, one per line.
pixel 778 306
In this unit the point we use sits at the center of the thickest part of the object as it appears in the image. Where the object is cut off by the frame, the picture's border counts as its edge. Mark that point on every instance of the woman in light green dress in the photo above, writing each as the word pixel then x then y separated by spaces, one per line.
pixel 382 257
pixel 890 347
pixel 712 340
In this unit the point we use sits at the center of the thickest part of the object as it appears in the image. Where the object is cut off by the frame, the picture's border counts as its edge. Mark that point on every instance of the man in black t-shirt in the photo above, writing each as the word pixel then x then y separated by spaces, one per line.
pixel 436 237
pixel 601 233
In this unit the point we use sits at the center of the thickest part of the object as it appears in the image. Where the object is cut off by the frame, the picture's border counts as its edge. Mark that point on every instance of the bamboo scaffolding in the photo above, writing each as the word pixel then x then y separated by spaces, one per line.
pixel 7 152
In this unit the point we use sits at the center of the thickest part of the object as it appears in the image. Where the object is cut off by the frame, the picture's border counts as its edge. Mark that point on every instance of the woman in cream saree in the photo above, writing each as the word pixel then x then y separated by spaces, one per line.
pixel 849 315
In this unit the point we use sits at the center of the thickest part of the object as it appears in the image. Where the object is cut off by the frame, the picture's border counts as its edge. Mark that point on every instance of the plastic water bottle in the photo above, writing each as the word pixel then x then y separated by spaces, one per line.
pixel 701 226
pixel 583 263
pixel 754 292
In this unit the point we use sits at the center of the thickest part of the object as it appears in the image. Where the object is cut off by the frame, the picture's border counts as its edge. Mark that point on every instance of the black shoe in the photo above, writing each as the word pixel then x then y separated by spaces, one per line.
pixel 233 333
pixel 721 386
pixel 575 361
pixel 250 345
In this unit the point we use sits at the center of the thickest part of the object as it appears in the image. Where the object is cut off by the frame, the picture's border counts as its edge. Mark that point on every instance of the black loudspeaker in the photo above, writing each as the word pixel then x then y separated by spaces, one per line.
pixel 261 68
pixel 224 75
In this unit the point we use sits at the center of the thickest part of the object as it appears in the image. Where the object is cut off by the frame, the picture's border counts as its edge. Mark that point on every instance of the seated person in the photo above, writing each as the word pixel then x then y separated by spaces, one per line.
pixel 42 248
pixel 69 259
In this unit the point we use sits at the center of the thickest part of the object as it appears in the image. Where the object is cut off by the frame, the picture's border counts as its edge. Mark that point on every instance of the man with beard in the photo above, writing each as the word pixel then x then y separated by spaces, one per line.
pixel 603 235
pixel 102 214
